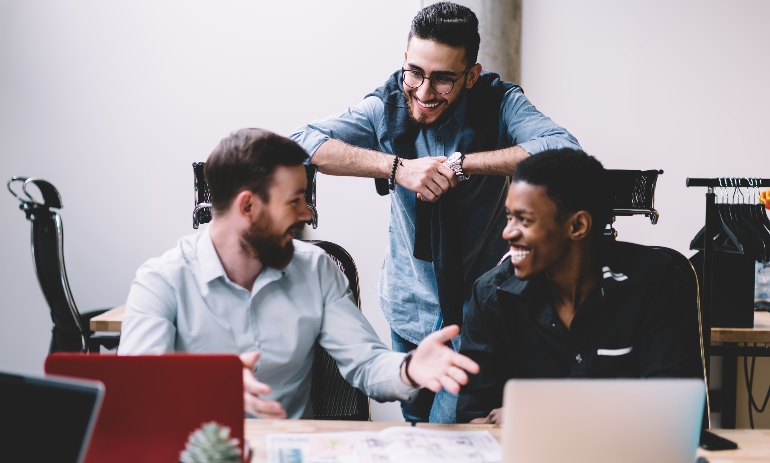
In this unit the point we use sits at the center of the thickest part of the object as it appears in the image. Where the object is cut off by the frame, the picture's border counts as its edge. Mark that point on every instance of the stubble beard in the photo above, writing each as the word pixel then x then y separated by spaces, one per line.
pixel 261 242
pixel 420 119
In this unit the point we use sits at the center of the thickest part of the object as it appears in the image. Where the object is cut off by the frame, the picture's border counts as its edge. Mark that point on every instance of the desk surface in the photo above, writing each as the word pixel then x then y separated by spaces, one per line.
pixel 753 445
pixel 110 320
pixel 759 334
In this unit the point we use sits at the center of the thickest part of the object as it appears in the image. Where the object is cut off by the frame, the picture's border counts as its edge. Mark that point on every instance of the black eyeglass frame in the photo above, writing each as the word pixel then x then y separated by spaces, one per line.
pixel 403 79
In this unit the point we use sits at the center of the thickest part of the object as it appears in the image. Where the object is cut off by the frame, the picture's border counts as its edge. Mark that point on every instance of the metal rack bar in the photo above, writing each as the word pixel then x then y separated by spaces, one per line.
pixel 743 182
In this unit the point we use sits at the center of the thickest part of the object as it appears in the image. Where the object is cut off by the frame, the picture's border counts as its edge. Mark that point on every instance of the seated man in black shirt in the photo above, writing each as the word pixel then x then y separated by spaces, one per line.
pixel 570 303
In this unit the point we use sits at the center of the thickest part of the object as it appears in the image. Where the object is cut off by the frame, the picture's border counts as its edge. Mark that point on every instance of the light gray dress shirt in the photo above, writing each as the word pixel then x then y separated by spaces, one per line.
pixel 184 302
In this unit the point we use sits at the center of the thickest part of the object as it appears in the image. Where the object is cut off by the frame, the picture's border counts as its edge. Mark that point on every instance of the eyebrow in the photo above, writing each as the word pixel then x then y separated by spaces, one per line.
pixel 518 211
pixel 441 73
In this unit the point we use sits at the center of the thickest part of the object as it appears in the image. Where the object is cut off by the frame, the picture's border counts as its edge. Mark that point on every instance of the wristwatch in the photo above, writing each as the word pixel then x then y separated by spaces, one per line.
pixel 455 162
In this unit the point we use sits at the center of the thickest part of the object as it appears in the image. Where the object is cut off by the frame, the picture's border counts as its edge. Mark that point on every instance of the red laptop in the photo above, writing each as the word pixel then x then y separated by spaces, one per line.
pixel 153 403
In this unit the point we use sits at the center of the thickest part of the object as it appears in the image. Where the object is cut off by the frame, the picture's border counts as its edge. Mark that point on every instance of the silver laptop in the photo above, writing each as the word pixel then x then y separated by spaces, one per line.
pixel 602 421
pixel 47 418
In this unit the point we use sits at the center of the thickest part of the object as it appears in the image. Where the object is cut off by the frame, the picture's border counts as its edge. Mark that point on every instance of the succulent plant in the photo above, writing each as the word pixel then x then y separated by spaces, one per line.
pixel 211 443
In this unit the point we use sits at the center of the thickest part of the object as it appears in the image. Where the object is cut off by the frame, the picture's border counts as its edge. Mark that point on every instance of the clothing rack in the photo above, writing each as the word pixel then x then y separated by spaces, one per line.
pixel 708 247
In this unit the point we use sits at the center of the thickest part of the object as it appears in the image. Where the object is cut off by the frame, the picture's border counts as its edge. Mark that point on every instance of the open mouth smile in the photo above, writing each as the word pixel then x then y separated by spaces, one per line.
pixel 518 254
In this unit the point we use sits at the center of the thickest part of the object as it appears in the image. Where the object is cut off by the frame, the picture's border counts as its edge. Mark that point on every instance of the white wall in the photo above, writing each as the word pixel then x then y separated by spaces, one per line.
pixel 112 102
pixel 675 85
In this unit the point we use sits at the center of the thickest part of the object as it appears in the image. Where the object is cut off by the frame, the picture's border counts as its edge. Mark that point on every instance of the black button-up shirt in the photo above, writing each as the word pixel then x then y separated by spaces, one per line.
pixel 639 322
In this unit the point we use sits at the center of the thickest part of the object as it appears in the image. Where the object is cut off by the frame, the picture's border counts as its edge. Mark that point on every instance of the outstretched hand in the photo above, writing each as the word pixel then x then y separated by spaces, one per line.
pixel 434 365
pixel 252 389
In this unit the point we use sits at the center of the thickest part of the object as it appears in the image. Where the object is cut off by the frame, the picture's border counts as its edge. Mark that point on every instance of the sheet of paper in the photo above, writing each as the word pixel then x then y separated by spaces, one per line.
pixel 398 444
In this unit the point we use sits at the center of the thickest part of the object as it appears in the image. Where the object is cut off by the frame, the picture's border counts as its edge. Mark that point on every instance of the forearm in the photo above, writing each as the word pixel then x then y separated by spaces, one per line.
pixel 334 157
pixel 498 162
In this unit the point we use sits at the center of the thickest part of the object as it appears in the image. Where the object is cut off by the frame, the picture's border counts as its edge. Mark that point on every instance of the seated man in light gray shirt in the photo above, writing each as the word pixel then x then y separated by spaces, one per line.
pixel 245 286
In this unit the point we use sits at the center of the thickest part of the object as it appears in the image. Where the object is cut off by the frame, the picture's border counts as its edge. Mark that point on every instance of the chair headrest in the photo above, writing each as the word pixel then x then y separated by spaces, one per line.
pixel 51 197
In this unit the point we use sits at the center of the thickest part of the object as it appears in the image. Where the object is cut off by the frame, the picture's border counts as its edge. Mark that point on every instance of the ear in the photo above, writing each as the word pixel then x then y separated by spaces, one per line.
pixel 580 225
pixel 405 54
pixel 247 204
pixel 473 75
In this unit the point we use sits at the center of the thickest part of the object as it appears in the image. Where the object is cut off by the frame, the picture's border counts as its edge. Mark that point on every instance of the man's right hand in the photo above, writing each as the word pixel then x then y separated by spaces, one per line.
pixel 252 389
pixel 428 177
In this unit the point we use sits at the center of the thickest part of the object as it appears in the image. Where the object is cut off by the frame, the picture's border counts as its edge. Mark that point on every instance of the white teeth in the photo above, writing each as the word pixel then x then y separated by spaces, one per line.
pixel 517 255
pixel 425 105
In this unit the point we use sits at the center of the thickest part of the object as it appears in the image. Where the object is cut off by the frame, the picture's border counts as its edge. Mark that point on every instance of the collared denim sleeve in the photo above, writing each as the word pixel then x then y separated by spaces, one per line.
pixel 529 128
pixel 360 125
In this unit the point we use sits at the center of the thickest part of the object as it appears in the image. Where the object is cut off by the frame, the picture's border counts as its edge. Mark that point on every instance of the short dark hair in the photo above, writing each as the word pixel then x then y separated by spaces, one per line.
pixel 246 160
pixel 451 24
pixel 574 180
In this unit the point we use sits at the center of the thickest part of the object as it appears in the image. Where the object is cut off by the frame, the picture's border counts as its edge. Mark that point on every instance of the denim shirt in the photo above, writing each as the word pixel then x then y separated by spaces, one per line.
pixel 407 286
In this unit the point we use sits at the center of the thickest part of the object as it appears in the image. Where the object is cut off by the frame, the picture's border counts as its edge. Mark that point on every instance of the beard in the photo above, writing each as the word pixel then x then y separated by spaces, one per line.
pixel 262 242
pixel 448 111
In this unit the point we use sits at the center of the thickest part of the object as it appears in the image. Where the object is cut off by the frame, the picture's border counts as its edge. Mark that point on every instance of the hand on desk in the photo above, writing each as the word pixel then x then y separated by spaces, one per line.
pixel 252 389
pixel 434 365
pixel 494 417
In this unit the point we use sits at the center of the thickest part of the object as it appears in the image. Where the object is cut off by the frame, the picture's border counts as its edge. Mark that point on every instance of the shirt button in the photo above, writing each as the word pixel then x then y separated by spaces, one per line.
pixel 578 358
pixel 438 138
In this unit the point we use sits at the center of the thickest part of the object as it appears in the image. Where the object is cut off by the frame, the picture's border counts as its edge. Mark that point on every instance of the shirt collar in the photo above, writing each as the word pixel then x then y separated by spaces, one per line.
pixel 462 107
pixel 210 266
pixel 612 278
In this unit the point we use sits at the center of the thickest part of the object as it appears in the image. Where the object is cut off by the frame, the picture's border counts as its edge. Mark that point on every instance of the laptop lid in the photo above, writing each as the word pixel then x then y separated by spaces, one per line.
pixel 153 403
pixel 47 419
pixel 602 421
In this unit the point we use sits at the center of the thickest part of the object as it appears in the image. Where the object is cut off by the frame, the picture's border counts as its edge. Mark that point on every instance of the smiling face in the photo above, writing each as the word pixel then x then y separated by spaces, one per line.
pixel 433 59
pixel 539 239
pixel 269 238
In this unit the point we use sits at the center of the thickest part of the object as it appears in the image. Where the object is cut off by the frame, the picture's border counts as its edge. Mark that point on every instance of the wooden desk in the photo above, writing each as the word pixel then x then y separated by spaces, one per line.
pixel 759 334
pixel 726 343
pixel 110 320
pixel 753 445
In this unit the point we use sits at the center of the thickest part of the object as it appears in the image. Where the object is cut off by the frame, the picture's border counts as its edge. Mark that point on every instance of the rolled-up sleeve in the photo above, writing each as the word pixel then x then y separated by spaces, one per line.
pixel 529 128
pixel 364 361
pixel 357 126
pixel 148 325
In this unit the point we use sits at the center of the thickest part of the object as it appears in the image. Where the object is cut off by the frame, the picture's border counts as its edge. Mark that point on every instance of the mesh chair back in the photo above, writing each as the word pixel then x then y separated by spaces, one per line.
pixel 202 206
pixel 334 398
pixel 634 192
pixel 69 334
pixel 692 298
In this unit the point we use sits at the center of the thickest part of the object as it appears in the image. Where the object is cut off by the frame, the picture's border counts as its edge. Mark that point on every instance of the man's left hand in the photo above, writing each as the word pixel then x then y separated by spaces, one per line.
pixel 434 365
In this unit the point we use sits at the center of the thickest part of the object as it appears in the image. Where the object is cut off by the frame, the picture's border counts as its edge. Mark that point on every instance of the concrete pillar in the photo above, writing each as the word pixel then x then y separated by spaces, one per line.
pixel 500 30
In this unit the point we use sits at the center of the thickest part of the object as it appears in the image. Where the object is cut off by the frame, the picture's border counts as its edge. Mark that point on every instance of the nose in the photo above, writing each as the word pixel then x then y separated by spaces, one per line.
pixel 511 231
pixel 425 92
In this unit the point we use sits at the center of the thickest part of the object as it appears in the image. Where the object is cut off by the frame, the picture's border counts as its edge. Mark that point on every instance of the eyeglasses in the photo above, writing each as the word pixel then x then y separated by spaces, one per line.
pixel 441 84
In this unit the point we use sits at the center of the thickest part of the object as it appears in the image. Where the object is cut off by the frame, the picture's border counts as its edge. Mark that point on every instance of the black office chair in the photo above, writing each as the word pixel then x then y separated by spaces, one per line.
pixel 71 332
pixel 202 195
pixel 333 398
pixel 633 193
pixel 690 282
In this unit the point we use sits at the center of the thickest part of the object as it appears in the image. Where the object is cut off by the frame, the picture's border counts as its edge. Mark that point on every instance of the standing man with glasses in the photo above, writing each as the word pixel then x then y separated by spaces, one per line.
pixel 443 137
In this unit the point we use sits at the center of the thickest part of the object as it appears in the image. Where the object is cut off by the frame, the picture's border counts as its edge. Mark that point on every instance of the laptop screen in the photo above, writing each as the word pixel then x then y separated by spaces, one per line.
pixel 47 419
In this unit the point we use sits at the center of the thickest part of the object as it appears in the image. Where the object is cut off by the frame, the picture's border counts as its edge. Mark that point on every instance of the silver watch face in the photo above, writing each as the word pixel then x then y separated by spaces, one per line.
pixel 454 158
